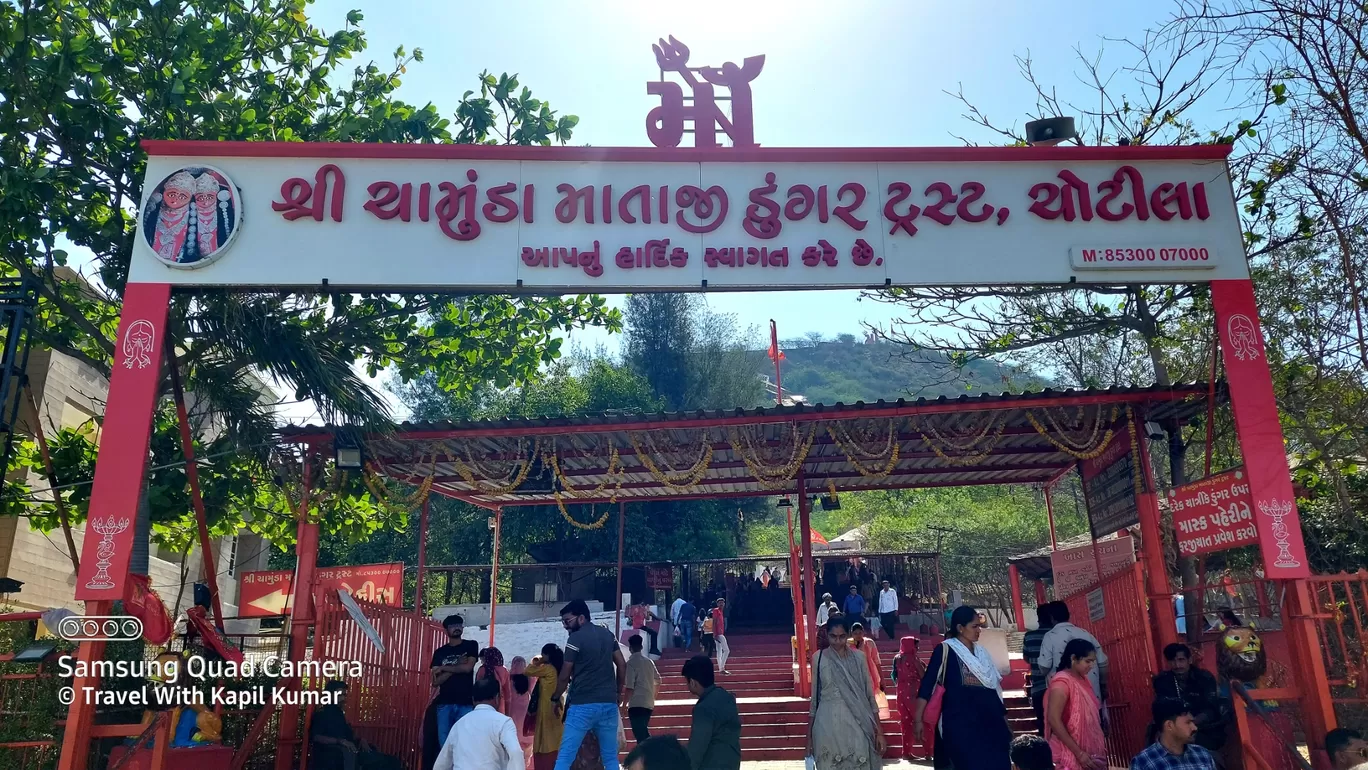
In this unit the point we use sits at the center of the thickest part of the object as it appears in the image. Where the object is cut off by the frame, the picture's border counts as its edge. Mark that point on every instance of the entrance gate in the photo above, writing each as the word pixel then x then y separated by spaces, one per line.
pixel 557 220
pixel 1114 612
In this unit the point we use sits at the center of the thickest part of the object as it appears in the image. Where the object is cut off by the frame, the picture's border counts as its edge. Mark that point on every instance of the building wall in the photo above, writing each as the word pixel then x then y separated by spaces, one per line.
pixel 70 393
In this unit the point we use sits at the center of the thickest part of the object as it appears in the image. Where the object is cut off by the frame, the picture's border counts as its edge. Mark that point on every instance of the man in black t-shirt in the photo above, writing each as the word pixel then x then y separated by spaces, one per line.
pixel 453 674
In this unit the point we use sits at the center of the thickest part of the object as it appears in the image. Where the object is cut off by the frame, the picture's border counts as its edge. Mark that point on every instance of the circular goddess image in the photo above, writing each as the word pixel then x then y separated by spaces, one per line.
pixel 192 216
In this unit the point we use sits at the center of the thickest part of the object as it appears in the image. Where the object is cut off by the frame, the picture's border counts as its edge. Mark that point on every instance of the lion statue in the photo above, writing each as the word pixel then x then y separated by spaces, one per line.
pixel 1240 657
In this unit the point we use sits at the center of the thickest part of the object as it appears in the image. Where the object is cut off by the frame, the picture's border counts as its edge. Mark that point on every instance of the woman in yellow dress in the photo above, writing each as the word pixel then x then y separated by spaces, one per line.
pixel 547 738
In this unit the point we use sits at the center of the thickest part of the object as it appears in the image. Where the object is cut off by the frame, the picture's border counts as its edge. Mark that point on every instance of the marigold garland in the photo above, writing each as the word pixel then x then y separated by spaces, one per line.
pixel 596 524
pixel 614 475
pixel 772 477
pixel 681 479
pixel 851 448
pixel 466 467
pixel 1082 452
pixel 977 449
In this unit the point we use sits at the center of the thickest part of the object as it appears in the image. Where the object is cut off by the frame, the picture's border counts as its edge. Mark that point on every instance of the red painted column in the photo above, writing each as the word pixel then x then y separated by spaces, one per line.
pixel 422 555
pixel 800 634
pixel 1049 511
pixel 809 578
pixel 120 468
pixel 301 612
pixel 1255 410
pixel 494 574
pixel 1040 593
pixel 617 616
pixel 1163 617
pixel 1014 578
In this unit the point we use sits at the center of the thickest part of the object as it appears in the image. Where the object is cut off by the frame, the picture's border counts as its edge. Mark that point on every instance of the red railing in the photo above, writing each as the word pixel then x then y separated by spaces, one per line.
pixel 387 703
pixel 1340 609
pixel 1123 630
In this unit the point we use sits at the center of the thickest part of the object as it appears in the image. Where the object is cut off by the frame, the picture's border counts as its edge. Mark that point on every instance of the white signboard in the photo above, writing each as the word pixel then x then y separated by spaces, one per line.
pixel 584 219
pixel 1097 608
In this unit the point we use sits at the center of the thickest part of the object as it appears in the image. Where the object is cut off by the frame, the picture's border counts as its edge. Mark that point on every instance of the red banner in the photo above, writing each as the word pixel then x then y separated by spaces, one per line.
pixel 264 594
pixel 268 593
pixel 1256 423
pixel 121 465
pixel 660 577
pixel 1213 514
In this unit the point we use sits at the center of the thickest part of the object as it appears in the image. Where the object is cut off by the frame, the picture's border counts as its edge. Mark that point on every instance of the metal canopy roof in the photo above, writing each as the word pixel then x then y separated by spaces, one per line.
pixel 970 440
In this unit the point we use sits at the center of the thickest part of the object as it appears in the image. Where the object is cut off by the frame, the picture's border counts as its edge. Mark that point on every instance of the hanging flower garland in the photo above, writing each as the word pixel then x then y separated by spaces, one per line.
pixel 1080 450
pixel 387 499
pixel 491 483
pixel 674 478
pixel 1135 447
pixel 978 446
pixel 856 454
pixel 613 476
pixel 772 476
pixel 595 524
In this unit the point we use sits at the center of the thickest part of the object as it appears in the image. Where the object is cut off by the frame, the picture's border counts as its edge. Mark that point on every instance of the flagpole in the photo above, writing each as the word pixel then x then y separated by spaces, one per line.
pixel 776 357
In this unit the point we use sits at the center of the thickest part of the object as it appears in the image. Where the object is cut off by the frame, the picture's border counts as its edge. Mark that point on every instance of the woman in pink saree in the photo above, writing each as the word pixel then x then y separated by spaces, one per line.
pixel 1073 723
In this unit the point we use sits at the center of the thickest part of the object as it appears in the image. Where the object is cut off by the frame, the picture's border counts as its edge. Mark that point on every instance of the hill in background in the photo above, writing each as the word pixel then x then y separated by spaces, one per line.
pixel 848 369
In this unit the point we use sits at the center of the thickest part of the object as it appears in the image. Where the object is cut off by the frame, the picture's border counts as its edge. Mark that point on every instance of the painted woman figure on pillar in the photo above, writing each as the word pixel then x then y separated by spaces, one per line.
pixel 191 217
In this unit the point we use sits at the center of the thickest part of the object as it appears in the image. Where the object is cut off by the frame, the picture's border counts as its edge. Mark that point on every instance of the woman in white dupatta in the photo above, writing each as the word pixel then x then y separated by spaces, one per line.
pixel 845 732
pixel 973 733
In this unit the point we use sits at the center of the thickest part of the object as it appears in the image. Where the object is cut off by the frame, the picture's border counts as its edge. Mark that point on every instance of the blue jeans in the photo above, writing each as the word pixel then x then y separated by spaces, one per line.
pixel 447 716
pixel 603 719
pixel 686 634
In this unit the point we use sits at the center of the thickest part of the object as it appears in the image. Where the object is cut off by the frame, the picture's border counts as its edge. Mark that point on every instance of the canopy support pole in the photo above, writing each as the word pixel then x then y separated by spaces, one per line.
pixel 494 575
pixel 1049 511
pixel 799 627
pixel 1156 569
pixel 809 576
pixel 422 557
pixel 1040 592
pixel 1014 578
pixel 301 614
pixel 622 526
pixel 208 561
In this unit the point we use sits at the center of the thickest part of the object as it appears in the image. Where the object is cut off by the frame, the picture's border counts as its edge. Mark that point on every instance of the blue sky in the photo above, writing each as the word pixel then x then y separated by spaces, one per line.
pixel 847 74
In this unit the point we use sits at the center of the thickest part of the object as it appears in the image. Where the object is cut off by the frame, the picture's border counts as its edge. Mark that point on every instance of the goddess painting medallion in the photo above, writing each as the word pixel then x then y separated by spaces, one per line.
pixel 191 216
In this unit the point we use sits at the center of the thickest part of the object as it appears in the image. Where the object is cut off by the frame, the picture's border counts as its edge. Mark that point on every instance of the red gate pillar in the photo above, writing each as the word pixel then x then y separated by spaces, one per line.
pixel 1014 578
pixel 1040 593
pixel 1164 619
pixel 800 634
pixel 120 468
pixel 1254 406
pixel 301 615
pixel 422 556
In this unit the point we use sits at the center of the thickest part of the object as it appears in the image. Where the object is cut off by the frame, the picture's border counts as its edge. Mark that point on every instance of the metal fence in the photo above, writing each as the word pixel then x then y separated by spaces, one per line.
pixel 387 703
pixel 1121 624
pixel 1340 607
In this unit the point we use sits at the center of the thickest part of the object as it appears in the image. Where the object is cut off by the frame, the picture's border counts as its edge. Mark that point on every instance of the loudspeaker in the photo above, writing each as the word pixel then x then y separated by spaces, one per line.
pixel 1050 131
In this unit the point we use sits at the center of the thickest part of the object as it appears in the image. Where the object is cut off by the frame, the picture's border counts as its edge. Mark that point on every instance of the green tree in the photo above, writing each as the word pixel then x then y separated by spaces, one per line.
pixel 83 83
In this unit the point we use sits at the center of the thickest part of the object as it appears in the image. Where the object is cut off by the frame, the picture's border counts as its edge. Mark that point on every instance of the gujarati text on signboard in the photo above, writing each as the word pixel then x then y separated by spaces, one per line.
pixel 1213 514
pixel 1076 568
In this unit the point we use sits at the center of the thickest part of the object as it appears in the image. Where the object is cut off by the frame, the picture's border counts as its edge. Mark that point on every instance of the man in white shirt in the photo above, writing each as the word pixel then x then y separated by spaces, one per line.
pixel 888 608
pixel 1052 648
pixel 484 739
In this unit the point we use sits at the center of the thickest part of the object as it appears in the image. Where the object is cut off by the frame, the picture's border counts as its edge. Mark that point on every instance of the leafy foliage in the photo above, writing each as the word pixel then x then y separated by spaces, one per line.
pixel 83 83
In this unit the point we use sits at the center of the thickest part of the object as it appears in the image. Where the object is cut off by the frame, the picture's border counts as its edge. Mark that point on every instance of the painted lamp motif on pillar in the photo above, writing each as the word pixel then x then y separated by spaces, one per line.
pixel 107 529
pixel 1278 510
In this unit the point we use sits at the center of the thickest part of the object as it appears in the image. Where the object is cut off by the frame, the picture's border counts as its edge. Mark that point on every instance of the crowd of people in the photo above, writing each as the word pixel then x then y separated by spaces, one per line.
pixel 563 710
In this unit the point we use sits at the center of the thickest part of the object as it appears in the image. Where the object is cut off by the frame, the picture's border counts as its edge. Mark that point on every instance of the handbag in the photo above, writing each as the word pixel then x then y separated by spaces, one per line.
pixel 882 700
pixel 931 714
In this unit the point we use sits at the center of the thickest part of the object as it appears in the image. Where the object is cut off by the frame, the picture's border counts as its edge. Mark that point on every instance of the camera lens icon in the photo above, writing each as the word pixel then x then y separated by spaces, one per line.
pixel 100 628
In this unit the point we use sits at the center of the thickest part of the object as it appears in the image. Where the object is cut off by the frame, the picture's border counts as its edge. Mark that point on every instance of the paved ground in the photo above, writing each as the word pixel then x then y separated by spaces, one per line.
pixel 798 765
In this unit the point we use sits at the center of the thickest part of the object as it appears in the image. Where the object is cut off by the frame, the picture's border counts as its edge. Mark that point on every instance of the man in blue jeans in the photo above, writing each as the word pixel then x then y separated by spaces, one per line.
pixel 453 674
pixel 595 672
